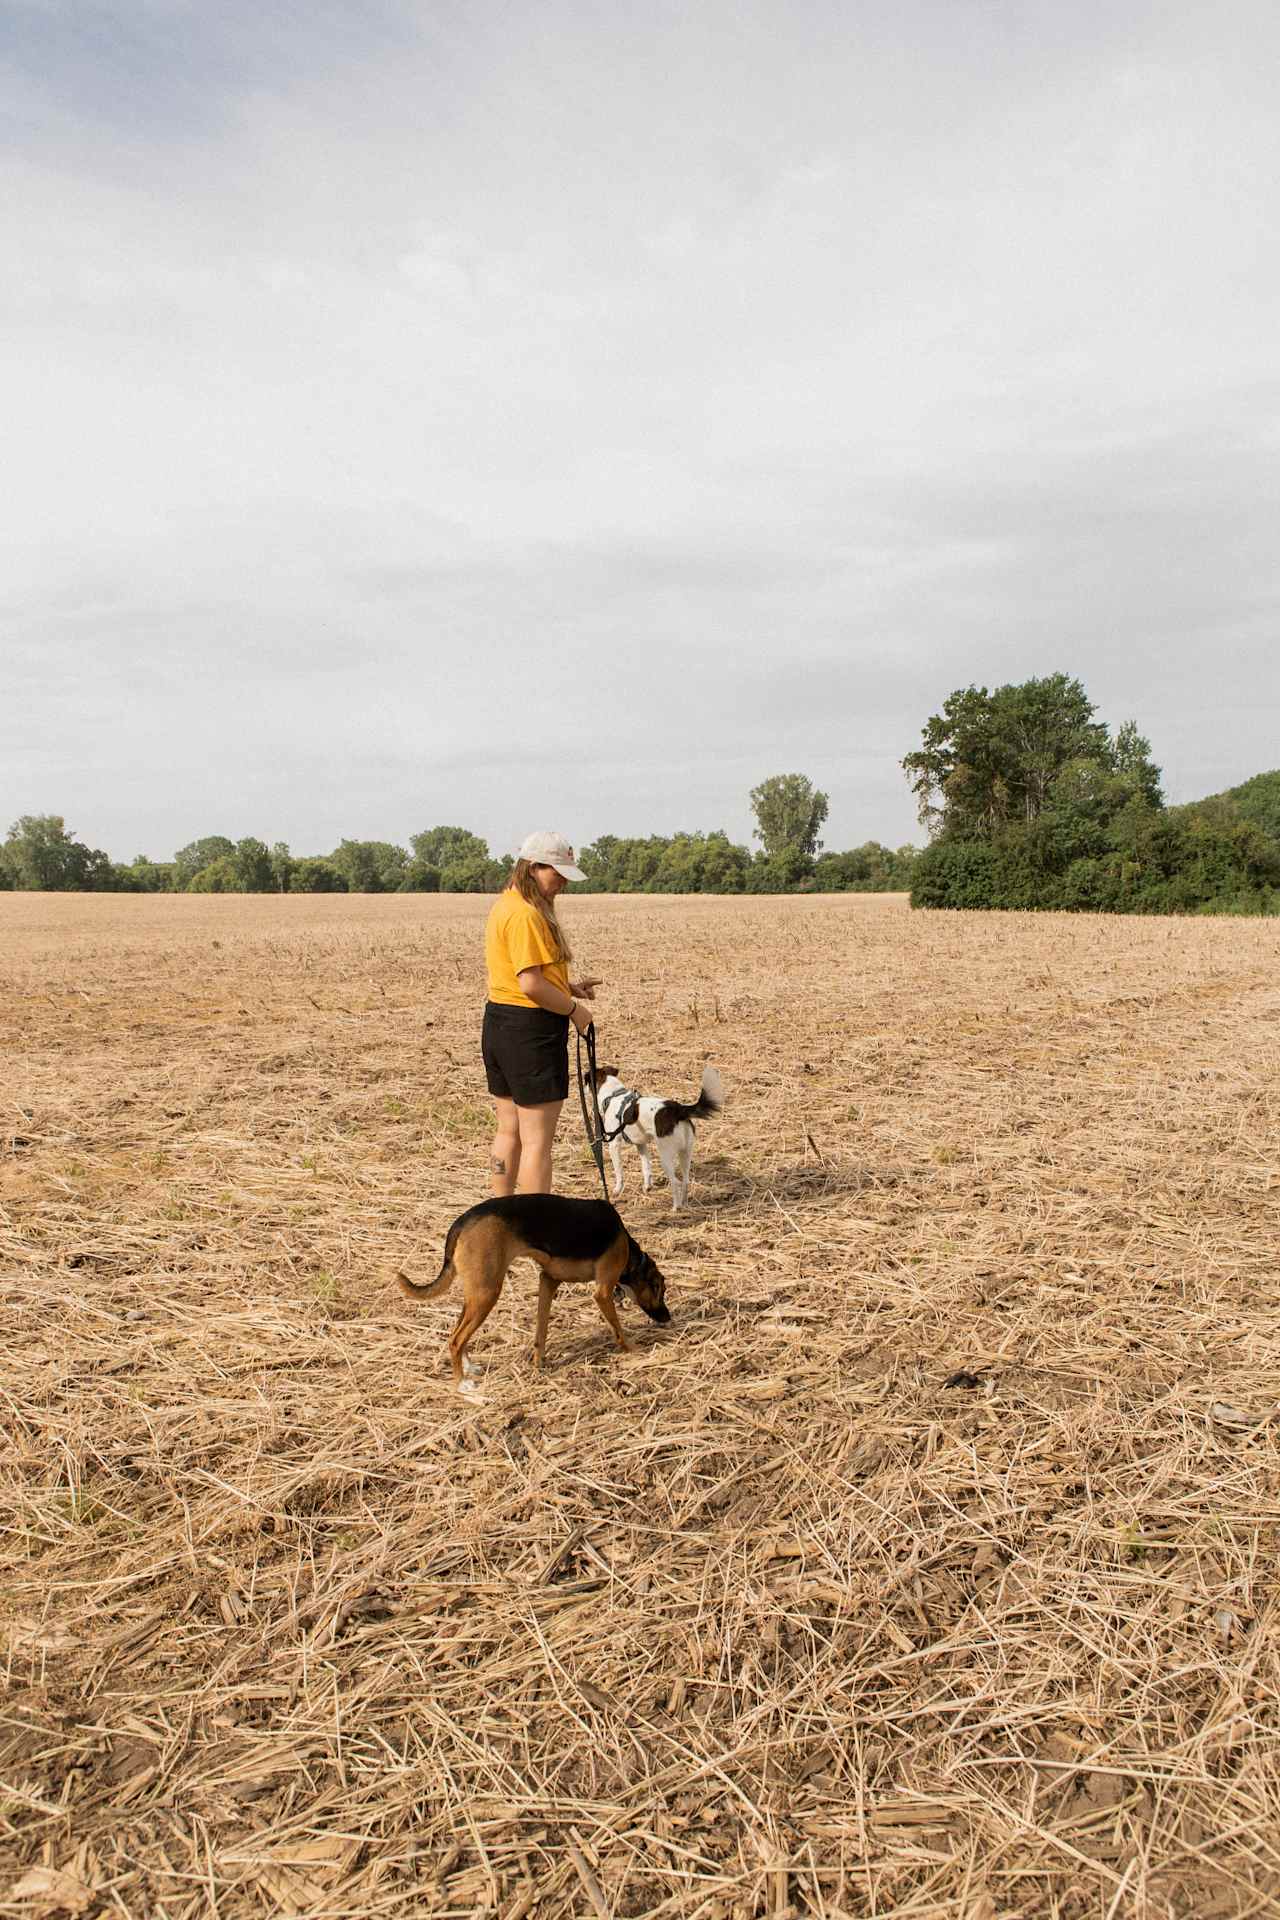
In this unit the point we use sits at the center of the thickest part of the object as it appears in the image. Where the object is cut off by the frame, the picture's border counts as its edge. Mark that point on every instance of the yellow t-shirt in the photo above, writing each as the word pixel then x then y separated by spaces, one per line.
pixel 515 937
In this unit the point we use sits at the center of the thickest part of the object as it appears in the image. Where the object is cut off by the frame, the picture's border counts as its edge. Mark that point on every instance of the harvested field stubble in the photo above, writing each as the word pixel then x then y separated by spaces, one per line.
pixel 927 1567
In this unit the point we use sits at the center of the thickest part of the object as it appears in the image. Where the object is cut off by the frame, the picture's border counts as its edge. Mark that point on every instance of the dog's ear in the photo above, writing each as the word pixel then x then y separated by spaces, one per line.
pixel 607 1073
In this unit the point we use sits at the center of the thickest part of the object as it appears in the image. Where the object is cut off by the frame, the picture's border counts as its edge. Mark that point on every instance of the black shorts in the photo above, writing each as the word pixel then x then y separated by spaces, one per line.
pixel 526 1054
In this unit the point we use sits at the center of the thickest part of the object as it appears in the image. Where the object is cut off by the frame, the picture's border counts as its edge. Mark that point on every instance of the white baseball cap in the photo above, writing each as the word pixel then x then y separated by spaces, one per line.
pixel 551 850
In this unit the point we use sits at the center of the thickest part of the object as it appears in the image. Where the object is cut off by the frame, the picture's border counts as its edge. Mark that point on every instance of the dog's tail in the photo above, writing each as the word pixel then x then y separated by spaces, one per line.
pixel 711 1098
pixel 443 1280
pixel 709 1101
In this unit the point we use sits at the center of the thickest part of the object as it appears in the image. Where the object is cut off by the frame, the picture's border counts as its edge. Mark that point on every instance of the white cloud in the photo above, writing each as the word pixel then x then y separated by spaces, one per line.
pixel 401 396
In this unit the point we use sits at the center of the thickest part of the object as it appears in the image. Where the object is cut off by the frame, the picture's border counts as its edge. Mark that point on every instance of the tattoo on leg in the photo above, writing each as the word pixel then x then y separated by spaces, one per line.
pixel 499 1165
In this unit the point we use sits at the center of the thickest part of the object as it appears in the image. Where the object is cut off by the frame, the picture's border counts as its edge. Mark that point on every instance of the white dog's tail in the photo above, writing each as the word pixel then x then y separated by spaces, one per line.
pixel 711 1098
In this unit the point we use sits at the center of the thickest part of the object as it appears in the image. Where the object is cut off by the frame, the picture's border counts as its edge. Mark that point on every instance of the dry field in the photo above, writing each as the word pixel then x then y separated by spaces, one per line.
pixel 927 1566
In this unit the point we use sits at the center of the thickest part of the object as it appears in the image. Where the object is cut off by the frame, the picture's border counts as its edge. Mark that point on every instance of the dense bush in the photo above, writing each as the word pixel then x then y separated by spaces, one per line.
pixel 867 869
pixel 1193 859
pixel 954 873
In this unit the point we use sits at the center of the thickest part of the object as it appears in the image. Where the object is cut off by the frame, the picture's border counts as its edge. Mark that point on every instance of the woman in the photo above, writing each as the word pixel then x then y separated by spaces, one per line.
pixel 525 1042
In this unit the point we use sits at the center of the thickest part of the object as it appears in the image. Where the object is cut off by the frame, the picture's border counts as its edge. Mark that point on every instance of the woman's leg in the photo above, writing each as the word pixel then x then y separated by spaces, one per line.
pixel 504 1160
pixel 537 1131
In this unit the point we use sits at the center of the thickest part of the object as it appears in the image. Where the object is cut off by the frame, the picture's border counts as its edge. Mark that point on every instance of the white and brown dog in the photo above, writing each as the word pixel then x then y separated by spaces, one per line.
pixel 650 1123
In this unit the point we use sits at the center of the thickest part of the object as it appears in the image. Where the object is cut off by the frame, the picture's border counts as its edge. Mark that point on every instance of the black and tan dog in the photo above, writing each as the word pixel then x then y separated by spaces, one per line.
pixel 570 1240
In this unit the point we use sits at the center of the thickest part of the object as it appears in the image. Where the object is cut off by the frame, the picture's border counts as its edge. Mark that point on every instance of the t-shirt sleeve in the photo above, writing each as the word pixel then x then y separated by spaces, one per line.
pixel 529 941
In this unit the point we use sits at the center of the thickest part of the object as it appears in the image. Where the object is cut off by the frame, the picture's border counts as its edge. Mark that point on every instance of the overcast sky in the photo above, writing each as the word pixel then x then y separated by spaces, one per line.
pixel 514 414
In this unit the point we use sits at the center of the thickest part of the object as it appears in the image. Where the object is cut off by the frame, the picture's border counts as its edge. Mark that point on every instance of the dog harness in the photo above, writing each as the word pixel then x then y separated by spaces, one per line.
pixel 626 1107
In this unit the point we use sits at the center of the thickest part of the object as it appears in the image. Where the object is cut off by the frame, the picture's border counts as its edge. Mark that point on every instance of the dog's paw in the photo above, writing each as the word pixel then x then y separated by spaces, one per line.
pixel 470 1370
pixel 468 1390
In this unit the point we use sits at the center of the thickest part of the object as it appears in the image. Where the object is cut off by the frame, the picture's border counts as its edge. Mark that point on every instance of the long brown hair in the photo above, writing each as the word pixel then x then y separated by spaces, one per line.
pixel 527 887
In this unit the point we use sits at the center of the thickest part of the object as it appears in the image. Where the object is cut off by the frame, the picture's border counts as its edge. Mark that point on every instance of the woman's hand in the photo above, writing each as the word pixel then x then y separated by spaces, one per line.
pixel 581 1016
pixel 585 989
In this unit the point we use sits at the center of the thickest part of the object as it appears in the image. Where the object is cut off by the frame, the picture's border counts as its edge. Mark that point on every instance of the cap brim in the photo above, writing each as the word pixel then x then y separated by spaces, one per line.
pixel 568 872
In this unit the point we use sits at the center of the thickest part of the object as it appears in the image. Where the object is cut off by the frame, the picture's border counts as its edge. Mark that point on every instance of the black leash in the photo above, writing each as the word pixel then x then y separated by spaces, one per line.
pixel 595 1135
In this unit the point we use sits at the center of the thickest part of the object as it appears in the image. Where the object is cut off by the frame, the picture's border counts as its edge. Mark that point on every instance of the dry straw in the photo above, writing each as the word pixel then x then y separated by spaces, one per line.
pixel 766 1619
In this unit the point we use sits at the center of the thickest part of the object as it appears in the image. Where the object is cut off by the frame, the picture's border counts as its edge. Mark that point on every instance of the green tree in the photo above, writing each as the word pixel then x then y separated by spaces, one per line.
pixel 1257 800
pixel 476 874
pixel 1228 864
pixel 1131 760
pixel 188 861
pixel 253 867
pixel 642 859
pixel 442 847
pixel 220 876
pixel 723 865
pixel 789 812
pixel 698 863
pixel 371 866
pixel 282 866
pixel 680 863
pixel 600 862
pixel 989 759
pixel 149 876
pixel 1067 815
pixel 783 872
pixel 40 855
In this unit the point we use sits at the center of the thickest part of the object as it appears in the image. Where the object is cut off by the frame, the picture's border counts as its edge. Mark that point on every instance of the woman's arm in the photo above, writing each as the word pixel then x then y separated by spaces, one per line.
pixel 540 990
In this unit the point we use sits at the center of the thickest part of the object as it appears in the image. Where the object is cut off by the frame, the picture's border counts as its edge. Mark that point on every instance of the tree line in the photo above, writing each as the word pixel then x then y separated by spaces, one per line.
pixel 1028 799
pixel 41 853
